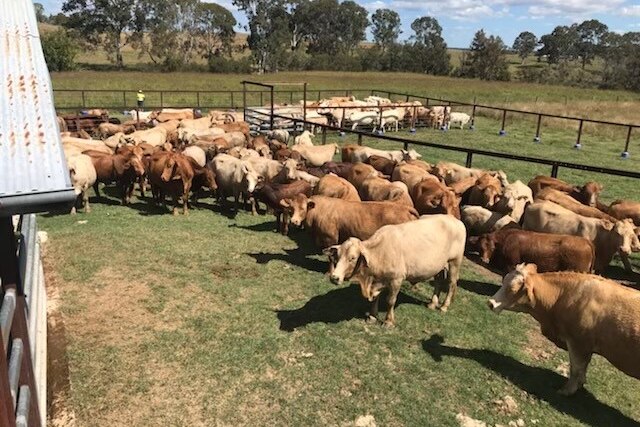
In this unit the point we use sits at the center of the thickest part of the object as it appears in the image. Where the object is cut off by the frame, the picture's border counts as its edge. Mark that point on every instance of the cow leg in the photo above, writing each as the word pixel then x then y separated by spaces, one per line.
pixel 142 185
pixel 285 222
pixel 625 261
pixel 394 289
pixel 95 189
pixel 186 187
pixel 437 288
pixel 579 361
pixel 175 196
pixel 253 203
pixel 85 199
pixel 453 273
pixel 372 315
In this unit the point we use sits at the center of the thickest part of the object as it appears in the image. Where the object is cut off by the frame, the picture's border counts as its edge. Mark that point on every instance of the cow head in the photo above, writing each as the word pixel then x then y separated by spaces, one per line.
pixel 590 192
pixel 290 168
pixel 626 235
pixel 411 155
pixel 250 177
pixel 297 208
pixel 516 293
pixel 167 170
pixel 486 246
pixel 346 258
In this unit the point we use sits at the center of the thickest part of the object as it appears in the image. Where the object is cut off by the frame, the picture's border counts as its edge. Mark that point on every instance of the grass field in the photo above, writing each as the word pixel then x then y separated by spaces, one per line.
pixel 218 320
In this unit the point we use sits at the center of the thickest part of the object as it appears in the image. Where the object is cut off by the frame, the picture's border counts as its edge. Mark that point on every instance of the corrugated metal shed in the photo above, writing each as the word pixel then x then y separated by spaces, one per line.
pixel 33 172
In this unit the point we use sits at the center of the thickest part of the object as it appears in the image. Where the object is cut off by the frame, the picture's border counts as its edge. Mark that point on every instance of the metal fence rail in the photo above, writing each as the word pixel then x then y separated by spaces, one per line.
pixel 23 326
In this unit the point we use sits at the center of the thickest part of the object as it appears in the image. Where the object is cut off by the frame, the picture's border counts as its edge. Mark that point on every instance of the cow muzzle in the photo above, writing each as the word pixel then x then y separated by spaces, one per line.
pixel 336 280
pixel 495 306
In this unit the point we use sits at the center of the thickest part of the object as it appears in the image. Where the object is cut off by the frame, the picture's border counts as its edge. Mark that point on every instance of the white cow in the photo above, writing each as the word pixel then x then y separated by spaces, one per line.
pixel 362 154
pixel 415 251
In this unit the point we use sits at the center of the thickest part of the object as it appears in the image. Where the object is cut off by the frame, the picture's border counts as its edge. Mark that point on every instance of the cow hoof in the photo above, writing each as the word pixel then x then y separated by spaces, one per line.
pixel 443 309
pixel 371 319
pixel 388 324
pixel 432 305
pixel 567 390
pixel 175 213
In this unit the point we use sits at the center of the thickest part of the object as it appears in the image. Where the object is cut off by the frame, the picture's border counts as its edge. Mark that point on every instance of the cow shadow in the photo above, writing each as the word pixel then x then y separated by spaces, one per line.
pixel 621 275
pixel 539 382
pixel 337 305
pixel 480 288
pixel 300 257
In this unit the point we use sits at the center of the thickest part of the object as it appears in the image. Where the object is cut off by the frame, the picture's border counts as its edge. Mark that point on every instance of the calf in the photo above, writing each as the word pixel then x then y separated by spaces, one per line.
pixel 124 169
pixel 341 169
pixel 382 164
pixel 332 221
pixel 587 194
pixel 515 198
pixel 272 195
pixel 171 173
pixel 566 201
pixel 415 251
pixel 234 177
pixel 411 174
pixel 333 186
pixel 506 248
pixel 316 155
pixel 203 177
pixel 486 192
pixel 579 312
pixel 379 189
pixel 625 209
pixel 359 172
pixel 479 220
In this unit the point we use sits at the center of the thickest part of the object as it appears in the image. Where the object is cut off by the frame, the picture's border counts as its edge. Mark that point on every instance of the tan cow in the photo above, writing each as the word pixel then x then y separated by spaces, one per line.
pixel 578 312
pixel 514 200
pixel 587 194
pixel 333 186
pixel 316 155
pixel 411 175
pixel 486 192
pixel 566 201
pixel 625 209
pixel 453 172
pixel 607 237
pixel 415 251
pixel 379 189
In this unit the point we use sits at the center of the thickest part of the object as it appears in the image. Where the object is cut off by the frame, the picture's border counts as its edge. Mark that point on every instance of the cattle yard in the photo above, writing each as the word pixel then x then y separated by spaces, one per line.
pixel 215 318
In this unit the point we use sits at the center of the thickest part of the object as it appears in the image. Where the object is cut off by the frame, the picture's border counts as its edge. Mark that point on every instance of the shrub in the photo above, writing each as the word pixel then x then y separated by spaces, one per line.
pixel 222 65
pixel 60 50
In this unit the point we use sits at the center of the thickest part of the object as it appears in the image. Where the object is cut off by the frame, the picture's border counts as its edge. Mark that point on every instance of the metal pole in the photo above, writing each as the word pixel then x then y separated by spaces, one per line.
pixel 625 153
pixel 578 144
pixel 271 119
pixel 406 146
pixel 324 135
pixel 469 159
pixel 161 99
pixel 359 139
pixel 537 137
pixel 504 119
pixel 473 114
pixel 319 96
pixel 380 119
pixel 261 98
pixel 244 100
pixel 198 99
pixel 232 103
pixel 84 104
pixel 554 170
pixel 124 99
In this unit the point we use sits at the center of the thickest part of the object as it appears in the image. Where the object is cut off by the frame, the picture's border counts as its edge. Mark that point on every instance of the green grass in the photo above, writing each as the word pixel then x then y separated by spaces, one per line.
pixel 205 319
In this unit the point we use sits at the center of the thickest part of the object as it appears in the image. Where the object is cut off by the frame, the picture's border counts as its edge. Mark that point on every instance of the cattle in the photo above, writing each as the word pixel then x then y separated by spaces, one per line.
pixel 587 194
pixel 379 189
pixel 203 177
pixel 186 135
pixel 341 169
pixel 280 135
pixel 197 154
pixel 625 209
pixel 479 220
pixel 316 155
pixel 73 145
pixel 459 119
pixel 284 154
pixel 154 136
pixel 363 118
pixel 169 126
pixel 578 312
pixel 333 186
pixel 106 130
pixel 392 117
pixel 202 123
pixel 124 169
pixel 415 251
pixel 272 194
pixel 463 186
pixel 242 127
pixel 486 191
pixel 234 177
pixel 364 153
pixel 359 172
pixel 83 176
pixel 382 164
pixel 607 237
pixel 290 172
pixel 347 152
pixel 167 114
pixel 432 197
pixel 411 175
pixel 171 173
pixel 515 198
pixel 508 247
pixel 305 138
pixel 332 221
pixel 259 143
pixel 566 201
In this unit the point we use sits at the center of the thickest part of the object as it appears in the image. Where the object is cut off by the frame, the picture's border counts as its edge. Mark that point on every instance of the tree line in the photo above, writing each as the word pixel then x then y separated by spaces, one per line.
pixel 329 35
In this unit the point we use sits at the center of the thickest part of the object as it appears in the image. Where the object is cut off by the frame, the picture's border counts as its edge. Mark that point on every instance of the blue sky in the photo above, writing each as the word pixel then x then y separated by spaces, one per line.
pixel 460 19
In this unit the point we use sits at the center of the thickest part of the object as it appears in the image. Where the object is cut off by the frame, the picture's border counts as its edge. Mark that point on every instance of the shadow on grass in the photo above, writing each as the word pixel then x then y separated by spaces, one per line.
pixel 480 288
pixel 335 306
pixel 539 382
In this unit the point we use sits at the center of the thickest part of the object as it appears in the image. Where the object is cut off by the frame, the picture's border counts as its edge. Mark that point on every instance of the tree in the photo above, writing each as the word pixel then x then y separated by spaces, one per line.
pixel 353 21
pixel 486 59
pixel 60 50
pixel 112 24
pixel 525 44
pixel 214 26
pixel 621 55
pixel 560 45
pixel 428 52
pixel 591 34
pixel 40 16
pixel 385 28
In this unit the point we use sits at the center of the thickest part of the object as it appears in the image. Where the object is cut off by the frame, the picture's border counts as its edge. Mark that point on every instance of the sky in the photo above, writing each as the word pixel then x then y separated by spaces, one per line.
pixel 460 19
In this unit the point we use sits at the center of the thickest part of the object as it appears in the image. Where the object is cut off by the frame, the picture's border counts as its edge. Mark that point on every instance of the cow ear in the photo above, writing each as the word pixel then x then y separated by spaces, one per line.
pixel 311 204
pixel 608 225
pixel 285 203
pixel 528 286
pixel 531 268
pixel 331 251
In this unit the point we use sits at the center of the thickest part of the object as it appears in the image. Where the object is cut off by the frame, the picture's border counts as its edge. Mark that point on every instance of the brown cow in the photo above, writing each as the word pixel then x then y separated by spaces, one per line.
pixel 579 312
pixel 203 177
pixel 508 247
pixel 333 186
pixel 124 169
pixel 566 201
pixel 272 194
pixel 587 194
pixel 486 192
pixel 285 154
pixel 341 169
pixel 625 209
pixel 433 197
pixel 347 152
pixel 382 164
pixel 171 173
pixel 332 221
pixel 359 172
pixel 411 175
pixel 259 143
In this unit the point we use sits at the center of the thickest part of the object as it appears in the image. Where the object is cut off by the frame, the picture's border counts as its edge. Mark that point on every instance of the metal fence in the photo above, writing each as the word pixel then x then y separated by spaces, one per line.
pixel 23 326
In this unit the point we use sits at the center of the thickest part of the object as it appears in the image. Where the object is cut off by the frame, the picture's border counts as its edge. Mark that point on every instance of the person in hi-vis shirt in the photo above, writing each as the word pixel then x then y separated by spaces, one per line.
pixel 140 97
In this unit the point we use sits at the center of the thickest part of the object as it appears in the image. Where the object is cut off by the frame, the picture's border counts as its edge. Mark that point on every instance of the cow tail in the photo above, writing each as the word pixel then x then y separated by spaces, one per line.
pixel 592 267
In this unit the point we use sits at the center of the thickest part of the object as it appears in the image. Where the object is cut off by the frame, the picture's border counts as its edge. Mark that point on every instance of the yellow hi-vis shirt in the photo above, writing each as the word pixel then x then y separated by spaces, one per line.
pixel 140 97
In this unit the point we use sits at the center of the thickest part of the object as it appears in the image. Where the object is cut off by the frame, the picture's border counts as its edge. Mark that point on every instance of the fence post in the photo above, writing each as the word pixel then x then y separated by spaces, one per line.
pixel 406 146
pixel 324 135
pixel 161 99
pixel 232 103
pixel 244 101
pixel 625 153
pixel 261 98
pixel 537 137
pixel 426 102
pixel 319 96
pixel 578 143
pixel 124 99
pixel 290 97
pixel 84 104
pixel 473 115
pixel 504 119
pixel 469 161
pixel 198 98
pixel 414 119
pixel 271 118
pixel 304 105
pixel 380 120
pixel 359 139
pixel 554 170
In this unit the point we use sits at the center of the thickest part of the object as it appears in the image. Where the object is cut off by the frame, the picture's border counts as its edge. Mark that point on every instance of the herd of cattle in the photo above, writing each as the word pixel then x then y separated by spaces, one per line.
pixel 384 217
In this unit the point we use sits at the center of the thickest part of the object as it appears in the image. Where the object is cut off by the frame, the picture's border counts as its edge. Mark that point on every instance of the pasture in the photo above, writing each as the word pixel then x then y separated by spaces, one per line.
pixel 214 319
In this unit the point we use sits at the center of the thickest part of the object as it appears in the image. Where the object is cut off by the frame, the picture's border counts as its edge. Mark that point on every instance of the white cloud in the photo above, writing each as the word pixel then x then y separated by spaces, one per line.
pixel 633 10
